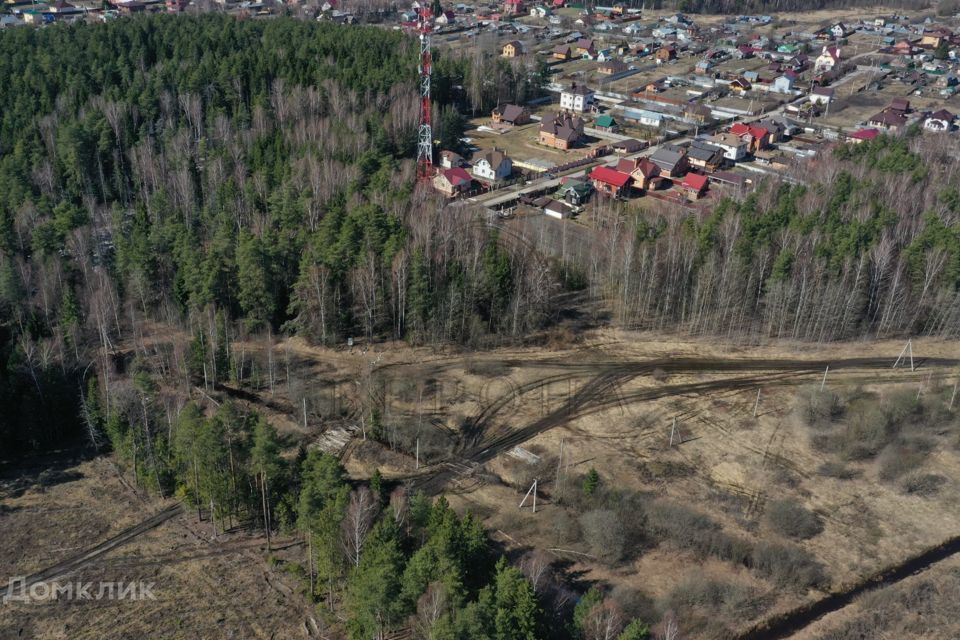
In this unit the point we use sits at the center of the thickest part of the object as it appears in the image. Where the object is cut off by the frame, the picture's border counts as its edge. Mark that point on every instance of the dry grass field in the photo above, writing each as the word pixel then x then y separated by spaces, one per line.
pixel 202 587
pixel 742 517
pixel 734 475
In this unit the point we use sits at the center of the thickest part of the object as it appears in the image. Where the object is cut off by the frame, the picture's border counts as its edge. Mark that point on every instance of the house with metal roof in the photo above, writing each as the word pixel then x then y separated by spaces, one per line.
pixel 511 114
pixel 610 181
pixel 606 123
pixel 694 186
pixel 671 159
pixel 704 155
pixel 560 131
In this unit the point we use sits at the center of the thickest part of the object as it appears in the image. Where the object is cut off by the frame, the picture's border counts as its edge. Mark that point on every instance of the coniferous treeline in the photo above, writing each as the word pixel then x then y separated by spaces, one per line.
pixel 227 177
pixel 378 558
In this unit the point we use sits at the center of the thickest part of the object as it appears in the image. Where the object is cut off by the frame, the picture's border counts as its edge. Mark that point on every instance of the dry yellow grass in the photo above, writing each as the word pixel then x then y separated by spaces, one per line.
pixel 202 588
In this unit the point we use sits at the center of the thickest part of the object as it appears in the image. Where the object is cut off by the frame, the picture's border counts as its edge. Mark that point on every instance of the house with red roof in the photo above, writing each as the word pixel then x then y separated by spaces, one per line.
pixel 863 135
pixel 902 48
pixel 757 137
pixel 694 186
pixel 645 174
pixel 610 181
pixel 627 165
pixel 827 60
pixel 452 182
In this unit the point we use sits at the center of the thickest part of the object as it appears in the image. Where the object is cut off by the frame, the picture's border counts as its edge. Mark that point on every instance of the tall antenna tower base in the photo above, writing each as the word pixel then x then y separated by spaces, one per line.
pixel 425 129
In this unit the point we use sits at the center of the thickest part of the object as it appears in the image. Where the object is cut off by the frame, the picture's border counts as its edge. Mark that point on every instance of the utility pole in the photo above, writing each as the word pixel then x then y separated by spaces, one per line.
pixel 953 396
pixel 907 348
pixel 533 490
pixel 559 469
pixel 756 405
pixel 266 507
pixel 673 431
pixel 824 381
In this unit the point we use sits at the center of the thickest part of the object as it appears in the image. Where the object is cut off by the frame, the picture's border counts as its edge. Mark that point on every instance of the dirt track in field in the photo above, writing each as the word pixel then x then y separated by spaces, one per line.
pixel 79 560
pixel 479 443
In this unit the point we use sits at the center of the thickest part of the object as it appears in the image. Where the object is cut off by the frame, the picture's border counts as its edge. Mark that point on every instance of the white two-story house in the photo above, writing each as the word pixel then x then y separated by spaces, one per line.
pixel 578 98
pixel 492 166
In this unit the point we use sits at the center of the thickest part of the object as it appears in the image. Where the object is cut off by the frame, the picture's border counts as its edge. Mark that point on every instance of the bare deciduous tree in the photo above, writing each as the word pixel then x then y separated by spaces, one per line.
pixel 360 515
pixel 431 606
pixel 669 627
pixel 604 621
pixel 536 566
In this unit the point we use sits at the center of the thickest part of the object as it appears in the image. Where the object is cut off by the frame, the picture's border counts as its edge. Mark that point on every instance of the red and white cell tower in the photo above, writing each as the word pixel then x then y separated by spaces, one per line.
pixel 425 131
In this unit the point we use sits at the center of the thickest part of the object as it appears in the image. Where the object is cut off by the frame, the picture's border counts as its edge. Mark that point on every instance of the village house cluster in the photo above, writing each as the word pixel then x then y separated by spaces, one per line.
pixel 642 103
pixel 668 108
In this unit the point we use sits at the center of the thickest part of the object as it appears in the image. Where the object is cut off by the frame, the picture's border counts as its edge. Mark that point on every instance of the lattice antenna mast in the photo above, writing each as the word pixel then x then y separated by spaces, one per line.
pixel 425 131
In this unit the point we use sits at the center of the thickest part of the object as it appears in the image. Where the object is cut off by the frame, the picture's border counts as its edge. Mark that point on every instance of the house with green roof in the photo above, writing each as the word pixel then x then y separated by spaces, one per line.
pixel 606 123
pixel 575 191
